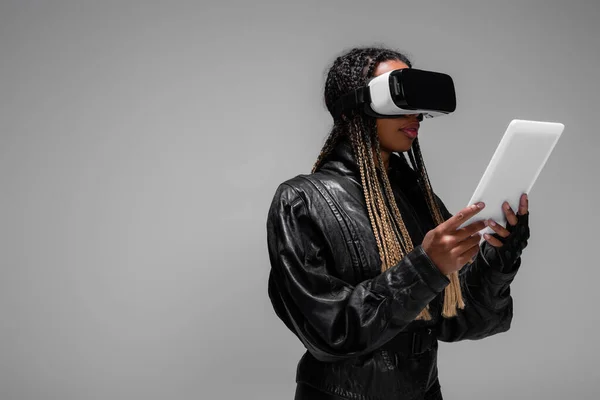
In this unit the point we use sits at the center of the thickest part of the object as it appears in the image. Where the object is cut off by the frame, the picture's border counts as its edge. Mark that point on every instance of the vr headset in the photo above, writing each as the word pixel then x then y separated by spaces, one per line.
pixel 401 92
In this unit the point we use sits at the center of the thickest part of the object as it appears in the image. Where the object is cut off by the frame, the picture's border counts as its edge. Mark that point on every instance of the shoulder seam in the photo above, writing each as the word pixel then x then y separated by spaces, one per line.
pixel 298 197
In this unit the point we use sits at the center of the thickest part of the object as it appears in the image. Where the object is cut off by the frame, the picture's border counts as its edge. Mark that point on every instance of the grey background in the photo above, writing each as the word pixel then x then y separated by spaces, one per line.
pixel 141 144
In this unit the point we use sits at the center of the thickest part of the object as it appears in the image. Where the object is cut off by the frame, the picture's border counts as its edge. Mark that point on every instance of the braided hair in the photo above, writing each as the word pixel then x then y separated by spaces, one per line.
pixel 349 71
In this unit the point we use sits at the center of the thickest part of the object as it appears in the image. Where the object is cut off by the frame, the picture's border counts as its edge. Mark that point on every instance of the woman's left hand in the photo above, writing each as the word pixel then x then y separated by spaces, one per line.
pixel 512 219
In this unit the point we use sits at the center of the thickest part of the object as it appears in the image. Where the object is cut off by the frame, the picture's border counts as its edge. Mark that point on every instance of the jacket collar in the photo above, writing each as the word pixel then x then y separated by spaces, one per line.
pixel 342 161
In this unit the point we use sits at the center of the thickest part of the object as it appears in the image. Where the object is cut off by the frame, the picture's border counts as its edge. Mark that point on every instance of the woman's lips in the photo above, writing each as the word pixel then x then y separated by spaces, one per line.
pixel 410 132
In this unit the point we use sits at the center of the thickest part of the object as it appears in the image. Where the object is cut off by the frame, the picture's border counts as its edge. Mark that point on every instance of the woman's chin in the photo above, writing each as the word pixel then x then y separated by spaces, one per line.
pixel 398 145
pixel 400 148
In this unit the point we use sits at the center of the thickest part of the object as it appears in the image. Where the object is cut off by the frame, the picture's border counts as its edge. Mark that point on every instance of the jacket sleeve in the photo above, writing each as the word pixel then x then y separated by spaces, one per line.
pixel 485 285
pixel 334 319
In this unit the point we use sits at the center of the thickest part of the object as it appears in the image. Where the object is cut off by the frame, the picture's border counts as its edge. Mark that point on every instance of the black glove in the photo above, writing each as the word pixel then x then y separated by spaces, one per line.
pixel 504 258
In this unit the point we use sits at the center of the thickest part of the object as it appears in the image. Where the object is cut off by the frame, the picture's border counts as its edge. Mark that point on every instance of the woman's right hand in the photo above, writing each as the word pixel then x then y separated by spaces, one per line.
pixel 450 248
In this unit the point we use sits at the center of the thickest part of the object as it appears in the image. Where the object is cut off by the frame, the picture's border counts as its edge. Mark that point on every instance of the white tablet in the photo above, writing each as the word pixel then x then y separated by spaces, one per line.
pixel 514 168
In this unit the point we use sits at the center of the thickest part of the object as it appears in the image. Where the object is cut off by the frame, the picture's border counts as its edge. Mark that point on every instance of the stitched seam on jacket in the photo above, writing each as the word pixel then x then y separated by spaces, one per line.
pixel 359 248
pixel 341 222
pixel 385 299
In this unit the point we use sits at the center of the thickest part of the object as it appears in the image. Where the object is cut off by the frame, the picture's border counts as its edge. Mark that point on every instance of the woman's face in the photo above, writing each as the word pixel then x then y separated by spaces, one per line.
pixel 390 130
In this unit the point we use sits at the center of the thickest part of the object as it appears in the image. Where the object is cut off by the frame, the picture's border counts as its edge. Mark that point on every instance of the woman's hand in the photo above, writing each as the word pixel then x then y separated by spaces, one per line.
pixel 498 239
pixel 448 247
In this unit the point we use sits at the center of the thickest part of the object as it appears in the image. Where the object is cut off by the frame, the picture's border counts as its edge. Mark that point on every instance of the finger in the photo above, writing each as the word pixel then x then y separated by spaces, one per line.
pixel 510 214
pixel 452 223
pixel 524 204
pixel 471 255
pixel 499 229
pixel 468 230
pixel 466 247
pixel 492 240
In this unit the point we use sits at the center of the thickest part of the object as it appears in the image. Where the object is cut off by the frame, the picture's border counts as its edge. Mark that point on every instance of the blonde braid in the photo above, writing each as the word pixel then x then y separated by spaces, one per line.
pixel 388 236
pixel 382 218
pixel 452 293
pixel 409 246
pixel 359 151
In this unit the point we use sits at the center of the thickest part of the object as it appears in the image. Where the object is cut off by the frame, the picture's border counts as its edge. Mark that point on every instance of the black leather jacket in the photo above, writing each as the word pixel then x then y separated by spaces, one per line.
pixel 326 285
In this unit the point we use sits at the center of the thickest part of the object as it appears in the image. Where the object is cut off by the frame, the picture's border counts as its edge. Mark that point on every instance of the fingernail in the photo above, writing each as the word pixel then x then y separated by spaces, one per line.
pixel 480 205
pixel 492 223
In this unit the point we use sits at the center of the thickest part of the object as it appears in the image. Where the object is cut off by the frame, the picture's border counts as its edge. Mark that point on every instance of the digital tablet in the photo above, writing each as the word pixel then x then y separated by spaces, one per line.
pixel 514 168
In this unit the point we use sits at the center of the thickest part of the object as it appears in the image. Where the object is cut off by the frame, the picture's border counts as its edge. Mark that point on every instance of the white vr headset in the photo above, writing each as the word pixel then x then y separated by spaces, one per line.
pixel 401 92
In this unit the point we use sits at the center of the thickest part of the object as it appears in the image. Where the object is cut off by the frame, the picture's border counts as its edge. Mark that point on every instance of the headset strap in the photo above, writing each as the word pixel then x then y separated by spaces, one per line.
pixel 351 100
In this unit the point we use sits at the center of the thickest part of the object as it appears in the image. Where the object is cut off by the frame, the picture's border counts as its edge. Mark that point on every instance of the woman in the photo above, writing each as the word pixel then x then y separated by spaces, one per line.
pixel 365 264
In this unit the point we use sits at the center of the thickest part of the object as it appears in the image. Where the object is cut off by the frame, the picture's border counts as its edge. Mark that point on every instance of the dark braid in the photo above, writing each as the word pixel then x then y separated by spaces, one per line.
pixel 350 71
